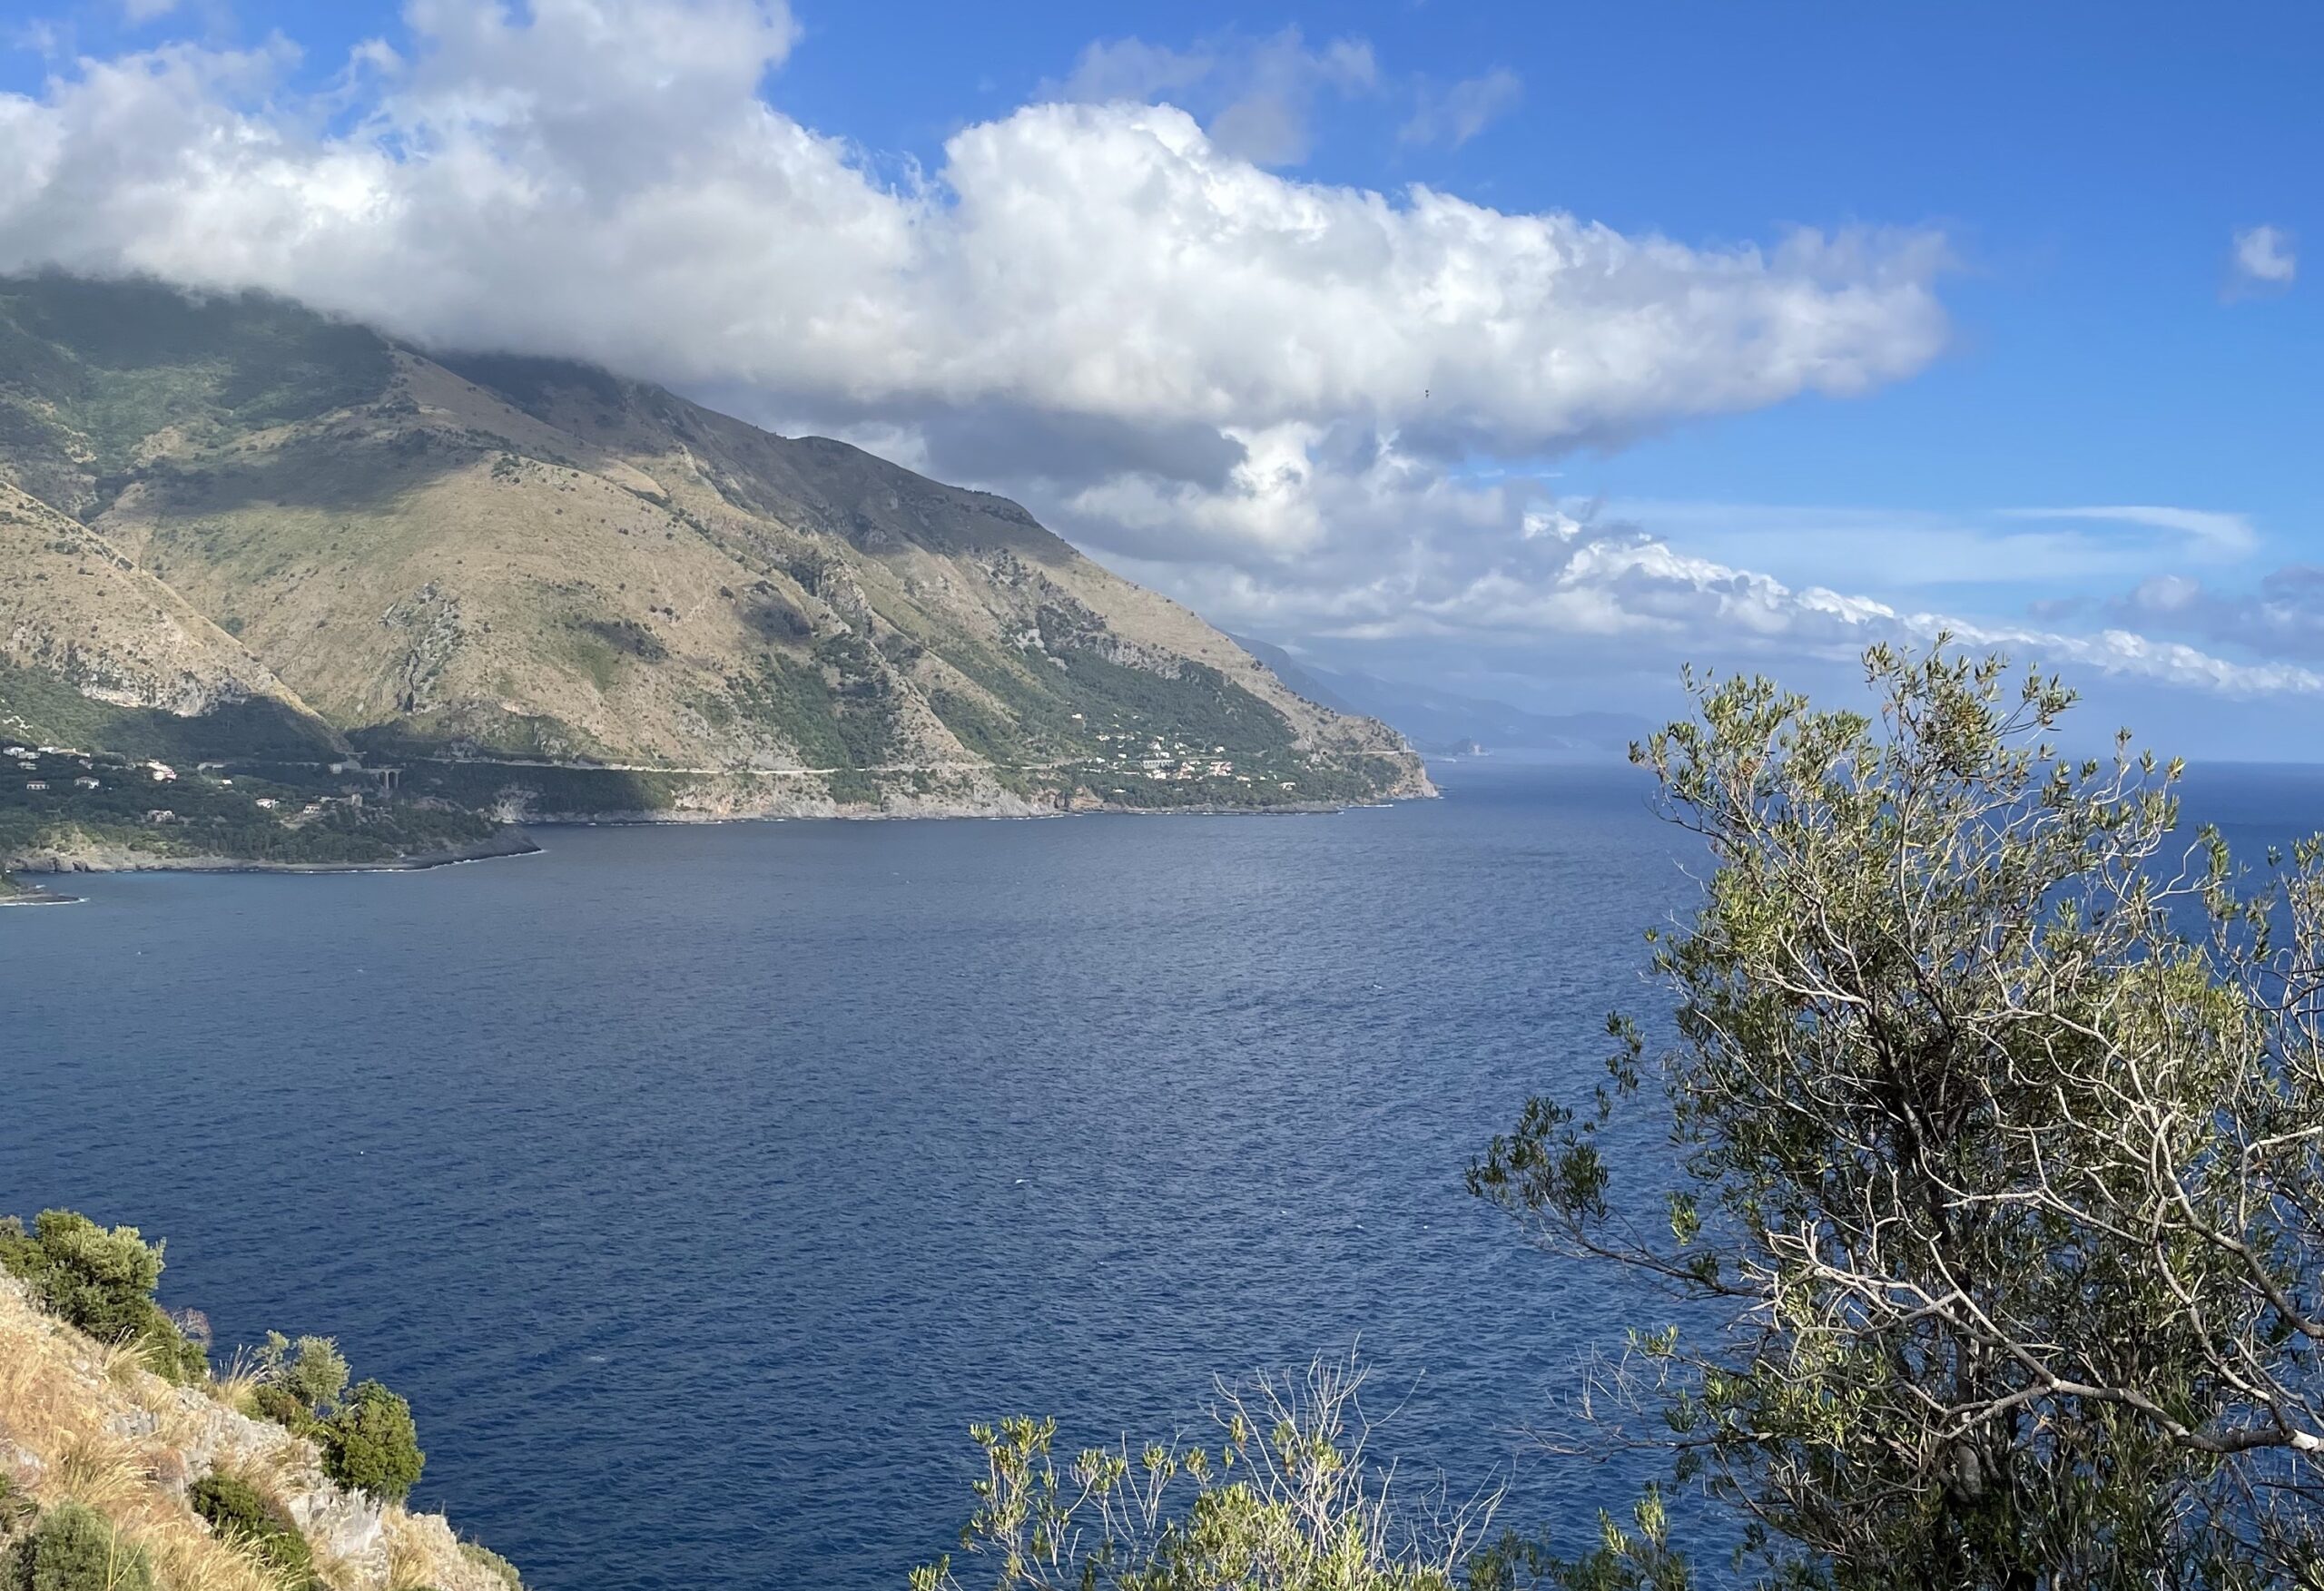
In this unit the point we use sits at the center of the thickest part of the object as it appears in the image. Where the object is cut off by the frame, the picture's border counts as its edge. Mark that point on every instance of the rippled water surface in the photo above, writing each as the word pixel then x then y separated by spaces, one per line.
pixel 700 1186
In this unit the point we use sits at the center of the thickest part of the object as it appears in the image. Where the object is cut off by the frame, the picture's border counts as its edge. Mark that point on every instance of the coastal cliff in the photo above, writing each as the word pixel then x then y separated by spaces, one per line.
pixel 84 1425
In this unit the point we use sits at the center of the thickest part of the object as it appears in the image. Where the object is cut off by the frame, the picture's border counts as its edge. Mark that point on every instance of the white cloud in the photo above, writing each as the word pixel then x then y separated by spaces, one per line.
pixel 2167 594
pixel 1913 548
pixel 2206 530
pixel 2282 613
pixel 1257 94
pixel 1498 568
pixel 1454 115
pixel 601 180
pixel 1264 394
pixel 2265 259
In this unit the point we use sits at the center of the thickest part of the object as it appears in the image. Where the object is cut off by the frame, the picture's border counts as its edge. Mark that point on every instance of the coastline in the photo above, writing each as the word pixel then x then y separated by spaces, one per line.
pixel 34 895
pixel 516 842
pixel 928 811
pixel 513 842
pixel 964 815
pixel 724 805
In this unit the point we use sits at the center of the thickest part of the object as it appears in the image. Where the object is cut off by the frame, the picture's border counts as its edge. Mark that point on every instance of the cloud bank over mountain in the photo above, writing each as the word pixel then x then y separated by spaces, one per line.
pixel 1273 395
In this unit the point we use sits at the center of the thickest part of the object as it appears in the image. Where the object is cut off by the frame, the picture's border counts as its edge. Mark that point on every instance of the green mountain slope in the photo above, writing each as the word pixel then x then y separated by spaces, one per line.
pixel 541 587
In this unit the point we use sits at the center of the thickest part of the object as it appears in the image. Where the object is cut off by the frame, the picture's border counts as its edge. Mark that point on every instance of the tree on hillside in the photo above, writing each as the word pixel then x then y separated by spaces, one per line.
pixel 102 1281
pixel 1999 1108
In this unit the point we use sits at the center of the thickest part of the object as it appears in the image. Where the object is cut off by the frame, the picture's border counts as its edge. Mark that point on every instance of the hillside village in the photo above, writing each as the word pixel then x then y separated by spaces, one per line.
pixel 65 808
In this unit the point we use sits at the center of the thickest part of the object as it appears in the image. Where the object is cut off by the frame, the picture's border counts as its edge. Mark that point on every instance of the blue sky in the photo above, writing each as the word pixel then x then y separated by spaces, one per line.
pixel 2025 297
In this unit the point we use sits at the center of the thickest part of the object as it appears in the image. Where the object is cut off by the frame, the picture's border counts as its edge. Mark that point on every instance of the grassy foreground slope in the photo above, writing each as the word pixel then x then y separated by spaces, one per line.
pixel 125 1465
pixel 540 588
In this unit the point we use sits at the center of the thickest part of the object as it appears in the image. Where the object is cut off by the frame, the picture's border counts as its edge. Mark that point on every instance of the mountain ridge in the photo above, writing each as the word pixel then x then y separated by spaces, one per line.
pixel 550 589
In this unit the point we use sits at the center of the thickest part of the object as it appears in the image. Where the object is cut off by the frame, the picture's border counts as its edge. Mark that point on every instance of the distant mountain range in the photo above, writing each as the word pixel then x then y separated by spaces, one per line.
pixel 234 528
pixel 1445 722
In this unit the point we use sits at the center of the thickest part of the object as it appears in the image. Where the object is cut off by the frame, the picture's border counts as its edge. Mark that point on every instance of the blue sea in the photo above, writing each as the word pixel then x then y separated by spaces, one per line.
pixel 701 1185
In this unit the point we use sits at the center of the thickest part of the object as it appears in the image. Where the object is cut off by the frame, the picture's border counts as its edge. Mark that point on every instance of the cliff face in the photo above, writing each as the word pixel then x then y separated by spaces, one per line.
pixel 518 563
pixel 83 1423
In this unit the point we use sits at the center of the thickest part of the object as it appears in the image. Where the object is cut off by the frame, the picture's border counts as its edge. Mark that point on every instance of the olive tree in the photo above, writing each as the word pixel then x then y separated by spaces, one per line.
pixel 310 1370
pixel 1997 1103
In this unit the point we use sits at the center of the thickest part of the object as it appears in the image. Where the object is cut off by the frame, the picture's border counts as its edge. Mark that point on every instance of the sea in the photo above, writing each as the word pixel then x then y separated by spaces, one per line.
pixel 702 1185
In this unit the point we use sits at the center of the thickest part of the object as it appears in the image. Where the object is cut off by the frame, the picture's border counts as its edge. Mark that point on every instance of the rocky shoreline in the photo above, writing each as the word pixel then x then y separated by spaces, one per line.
pixel 731 804
pixel 933 809
pixel 513 841
pixel 96 858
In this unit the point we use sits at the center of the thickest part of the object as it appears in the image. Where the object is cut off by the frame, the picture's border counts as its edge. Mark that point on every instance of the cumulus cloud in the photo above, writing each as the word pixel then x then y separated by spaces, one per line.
pixel 1500 567
pixel 2264 260
pixel 1259 95
pixel 2282 613
pixel 1453 115
pixel 600 178
pixel 1279 398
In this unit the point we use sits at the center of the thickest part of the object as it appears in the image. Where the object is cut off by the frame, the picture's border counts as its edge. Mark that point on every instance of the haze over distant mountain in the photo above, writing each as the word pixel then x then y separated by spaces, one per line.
pixel 268 531
pixel 1446 721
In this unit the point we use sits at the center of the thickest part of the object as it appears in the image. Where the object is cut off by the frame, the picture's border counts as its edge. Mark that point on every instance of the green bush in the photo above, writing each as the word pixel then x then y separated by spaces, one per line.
pixel 310 1370
pixel 75 1548
pixel 283 1406
pixel 17 1510
pixel 483 1557
pixel 238 1510
pixel 102 1281
pixel 371 1444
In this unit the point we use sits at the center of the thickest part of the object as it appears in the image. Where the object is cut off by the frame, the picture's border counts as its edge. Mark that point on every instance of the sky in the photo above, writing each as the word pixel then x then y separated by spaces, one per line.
pixel 1530 349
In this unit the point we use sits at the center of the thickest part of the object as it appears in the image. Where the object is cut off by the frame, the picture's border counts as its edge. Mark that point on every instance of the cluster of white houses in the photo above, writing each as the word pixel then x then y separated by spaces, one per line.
pixel 28 759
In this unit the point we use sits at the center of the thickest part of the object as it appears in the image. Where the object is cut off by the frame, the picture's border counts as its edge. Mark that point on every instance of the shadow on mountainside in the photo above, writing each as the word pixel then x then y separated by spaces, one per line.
pixel 346 469
pixel 44 709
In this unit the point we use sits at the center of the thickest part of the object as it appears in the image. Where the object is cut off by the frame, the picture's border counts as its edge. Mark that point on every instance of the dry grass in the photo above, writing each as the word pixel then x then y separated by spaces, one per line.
pixel 409 1565
pixel 67 1401
pixel 105 1473
pixel 204 1563
pixel 236 1384
pixel 119 1363
pixel 104 1431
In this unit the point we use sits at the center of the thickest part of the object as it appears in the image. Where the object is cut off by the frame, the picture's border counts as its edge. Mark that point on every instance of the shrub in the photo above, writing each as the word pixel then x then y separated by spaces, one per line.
pixel 17 1510
pixel 75 1548
pixel 371 1444
pixel 281 1406
pixel 310 1370
pixel 484 1558
pixel 1290 1500
pixel 102 1281
pixel 238 1511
